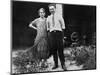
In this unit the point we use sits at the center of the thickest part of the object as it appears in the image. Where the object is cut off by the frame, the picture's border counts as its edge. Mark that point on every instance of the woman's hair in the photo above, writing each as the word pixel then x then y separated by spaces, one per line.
pixel 41 9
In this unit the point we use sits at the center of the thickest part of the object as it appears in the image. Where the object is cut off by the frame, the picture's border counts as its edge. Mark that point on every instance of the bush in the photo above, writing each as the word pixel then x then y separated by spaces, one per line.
pixel 86 56
pixel 25 63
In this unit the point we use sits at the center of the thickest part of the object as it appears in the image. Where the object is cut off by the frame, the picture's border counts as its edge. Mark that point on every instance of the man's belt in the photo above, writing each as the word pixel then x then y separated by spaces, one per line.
pixel 56 31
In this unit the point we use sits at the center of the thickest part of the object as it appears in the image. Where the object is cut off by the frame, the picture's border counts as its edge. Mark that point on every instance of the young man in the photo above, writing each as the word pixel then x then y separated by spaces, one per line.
pixel 55 26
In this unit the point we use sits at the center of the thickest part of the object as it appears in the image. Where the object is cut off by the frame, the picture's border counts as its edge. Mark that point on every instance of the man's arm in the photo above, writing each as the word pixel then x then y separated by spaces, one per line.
pixel 62 23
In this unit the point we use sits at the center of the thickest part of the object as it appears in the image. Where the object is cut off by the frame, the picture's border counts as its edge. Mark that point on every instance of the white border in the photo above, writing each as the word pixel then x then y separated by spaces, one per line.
pixel 5 36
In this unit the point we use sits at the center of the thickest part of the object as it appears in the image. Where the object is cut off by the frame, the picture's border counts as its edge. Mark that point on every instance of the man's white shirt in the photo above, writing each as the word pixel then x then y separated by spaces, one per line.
pixel 59 22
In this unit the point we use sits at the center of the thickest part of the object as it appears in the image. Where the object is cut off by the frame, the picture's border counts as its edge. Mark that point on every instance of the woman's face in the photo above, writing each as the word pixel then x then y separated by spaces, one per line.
pixel 41 13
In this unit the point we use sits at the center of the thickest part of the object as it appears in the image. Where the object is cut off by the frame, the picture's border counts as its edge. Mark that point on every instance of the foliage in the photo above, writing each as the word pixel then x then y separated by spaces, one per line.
pixel 25 63
pixel 86 56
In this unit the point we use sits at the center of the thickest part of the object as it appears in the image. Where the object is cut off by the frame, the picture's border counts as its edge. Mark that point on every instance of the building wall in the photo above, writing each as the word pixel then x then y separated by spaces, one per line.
pixel 59 9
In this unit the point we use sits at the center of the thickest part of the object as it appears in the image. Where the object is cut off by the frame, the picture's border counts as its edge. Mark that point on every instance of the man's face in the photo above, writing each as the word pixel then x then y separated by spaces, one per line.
pixel 52 9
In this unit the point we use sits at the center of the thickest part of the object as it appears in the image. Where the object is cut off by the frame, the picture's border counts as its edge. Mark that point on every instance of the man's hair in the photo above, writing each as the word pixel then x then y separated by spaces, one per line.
pixel 52 5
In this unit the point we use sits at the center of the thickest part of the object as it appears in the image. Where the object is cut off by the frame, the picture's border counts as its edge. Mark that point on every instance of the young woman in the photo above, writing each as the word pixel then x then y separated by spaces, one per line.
pixel 40 47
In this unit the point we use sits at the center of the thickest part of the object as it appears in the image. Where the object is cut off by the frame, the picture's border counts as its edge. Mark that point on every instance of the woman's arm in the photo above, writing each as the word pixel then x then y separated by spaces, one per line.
pixel 32 24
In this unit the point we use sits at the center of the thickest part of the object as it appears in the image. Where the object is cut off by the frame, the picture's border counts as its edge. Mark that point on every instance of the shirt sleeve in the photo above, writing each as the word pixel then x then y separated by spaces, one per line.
pixel 47 23
pixel 62 22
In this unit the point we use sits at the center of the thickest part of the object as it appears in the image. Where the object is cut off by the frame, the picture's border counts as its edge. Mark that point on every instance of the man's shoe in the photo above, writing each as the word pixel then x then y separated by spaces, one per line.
pixel 64 68
pixel 54 67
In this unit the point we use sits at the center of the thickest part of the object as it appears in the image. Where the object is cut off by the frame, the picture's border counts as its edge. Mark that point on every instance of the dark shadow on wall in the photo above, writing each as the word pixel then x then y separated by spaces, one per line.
pixel 78 18
pixel 81 19
pixel 22 14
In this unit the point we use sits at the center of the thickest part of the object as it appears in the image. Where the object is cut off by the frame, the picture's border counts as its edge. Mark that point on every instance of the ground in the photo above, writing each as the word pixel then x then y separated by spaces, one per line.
pixel 69 62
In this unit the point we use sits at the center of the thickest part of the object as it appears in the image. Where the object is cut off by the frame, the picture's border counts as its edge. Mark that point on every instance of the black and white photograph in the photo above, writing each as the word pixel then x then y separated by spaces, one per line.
pixel 52 37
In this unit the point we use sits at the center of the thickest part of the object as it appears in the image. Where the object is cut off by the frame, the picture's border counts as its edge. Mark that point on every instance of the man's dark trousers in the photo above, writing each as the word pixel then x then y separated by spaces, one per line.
pixel 56 44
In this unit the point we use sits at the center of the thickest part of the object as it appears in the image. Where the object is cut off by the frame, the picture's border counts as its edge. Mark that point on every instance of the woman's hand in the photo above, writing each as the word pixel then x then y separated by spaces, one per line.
pixel 33 23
